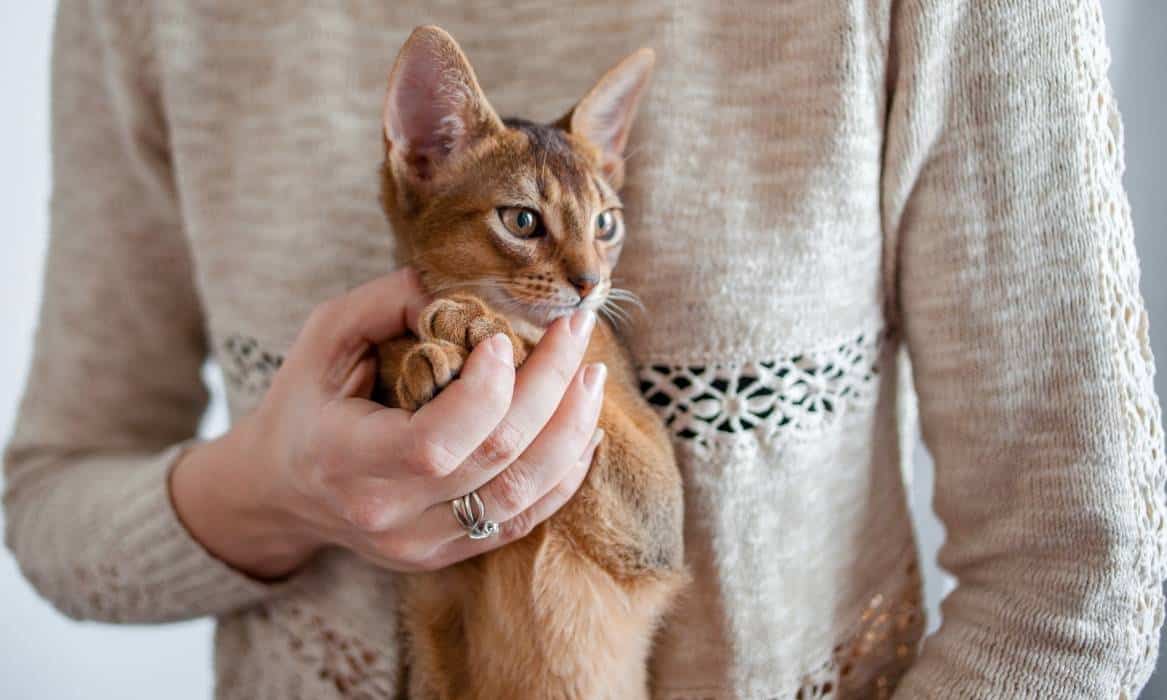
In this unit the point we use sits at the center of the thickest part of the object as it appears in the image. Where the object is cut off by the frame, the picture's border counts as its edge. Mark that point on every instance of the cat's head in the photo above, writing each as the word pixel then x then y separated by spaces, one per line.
pixel 524 215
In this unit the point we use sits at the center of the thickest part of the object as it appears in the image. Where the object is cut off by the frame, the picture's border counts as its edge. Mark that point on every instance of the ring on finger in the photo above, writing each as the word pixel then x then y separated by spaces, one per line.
pixel 470 512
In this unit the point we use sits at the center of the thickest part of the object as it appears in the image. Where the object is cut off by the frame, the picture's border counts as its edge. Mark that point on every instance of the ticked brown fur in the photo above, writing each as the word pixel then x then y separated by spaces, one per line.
pixel 569 611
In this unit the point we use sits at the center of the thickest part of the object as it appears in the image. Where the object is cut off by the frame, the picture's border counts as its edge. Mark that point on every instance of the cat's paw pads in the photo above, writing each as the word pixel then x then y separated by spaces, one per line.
pixel 464 321
pixel 425 370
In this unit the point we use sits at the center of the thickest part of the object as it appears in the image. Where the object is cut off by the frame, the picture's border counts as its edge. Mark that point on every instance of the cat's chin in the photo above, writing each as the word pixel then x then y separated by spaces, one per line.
pixel 539 317
pixel 551 314
pixel 534 315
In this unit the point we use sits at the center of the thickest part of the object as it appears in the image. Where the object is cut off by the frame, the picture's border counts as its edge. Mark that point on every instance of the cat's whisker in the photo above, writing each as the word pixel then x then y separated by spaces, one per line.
pixel 622 295
pixel 605 312
pixel 615 322
pixel 624 311
pixel 628 298
pixel 487 282
pixel 483 279
pixel 615 314
pixel 439 289
pixel 633 151
pixel 624 320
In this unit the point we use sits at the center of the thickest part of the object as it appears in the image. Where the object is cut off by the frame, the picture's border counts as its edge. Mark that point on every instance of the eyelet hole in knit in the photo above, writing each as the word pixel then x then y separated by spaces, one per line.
pixel 1134 365
pixel 247 366
pixel 794 395
pixel 340 660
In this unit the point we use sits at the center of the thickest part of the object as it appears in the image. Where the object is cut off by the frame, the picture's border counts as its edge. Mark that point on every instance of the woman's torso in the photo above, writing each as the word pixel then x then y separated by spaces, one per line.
pixel 755 241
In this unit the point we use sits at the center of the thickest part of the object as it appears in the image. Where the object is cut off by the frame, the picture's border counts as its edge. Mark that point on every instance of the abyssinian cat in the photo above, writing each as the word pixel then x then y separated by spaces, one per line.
pixel 513 224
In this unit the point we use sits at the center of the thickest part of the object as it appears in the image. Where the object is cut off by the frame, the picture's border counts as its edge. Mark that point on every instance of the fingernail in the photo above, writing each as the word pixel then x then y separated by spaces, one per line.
pixel 582 321
pixel 500 347
pixel 594 375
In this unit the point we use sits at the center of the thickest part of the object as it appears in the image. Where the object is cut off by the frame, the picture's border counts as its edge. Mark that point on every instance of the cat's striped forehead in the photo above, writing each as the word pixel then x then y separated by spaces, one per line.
pixel 561 173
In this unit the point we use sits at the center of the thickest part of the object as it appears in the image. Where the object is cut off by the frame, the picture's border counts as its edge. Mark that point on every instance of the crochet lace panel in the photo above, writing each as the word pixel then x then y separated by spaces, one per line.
pixel 795 396
pixel 1134 371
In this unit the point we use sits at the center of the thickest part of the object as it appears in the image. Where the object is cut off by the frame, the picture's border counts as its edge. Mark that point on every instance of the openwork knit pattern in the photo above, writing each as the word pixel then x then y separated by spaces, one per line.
pixel 1134 365
pixel 784 398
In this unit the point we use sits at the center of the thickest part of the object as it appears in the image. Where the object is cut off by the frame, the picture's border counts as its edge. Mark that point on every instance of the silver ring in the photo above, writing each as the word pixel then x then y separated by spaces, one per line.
pixel 470 512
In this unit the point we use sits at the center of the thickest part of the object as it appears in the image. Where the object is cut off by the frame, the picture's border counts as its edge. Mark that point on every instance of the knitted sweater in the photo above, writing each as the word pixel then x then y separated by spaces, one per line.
pixel 825 201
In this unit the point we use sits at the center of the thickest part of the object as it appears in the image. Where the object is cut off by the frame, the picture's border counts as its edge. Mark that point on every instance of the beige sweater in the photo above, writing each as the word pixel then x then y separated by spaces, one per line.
pixel 818 192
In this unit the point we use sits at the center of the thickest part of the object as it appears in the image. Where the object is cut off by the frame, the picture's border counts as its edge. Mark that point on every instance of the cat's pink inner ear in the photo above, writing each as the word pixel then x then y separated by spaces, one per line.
pixel 605 115
pixel 434 107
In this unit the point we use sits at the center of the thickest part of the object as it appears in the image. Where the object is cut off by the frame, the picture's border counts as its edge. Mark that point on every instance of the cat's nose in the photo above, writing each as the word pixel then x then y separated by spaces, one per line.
pixel 584 284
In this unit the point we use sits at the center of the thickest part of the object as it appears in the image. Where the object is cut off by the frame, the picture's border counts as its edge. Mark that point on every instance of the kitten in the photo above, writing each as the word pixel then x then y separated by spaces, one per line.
pixel 522 222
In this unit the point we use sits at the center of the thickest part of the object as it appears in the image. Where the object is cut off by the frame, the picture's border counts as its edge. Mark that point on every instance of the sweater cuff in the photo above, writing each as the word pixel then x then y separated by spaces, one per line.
pixel 183 578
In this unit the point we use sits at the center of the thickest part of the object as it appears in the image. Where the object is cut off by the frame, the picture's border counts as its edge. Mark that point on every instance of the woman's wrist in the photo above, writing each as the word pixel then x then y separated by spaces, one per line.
pixel 226 496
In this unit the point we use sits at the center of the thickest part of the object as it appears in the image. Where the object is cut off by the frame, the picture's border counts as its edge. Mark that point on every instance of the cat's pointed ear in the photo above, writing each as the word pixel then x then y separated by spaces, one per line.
pixel 604 116
pixel 434 108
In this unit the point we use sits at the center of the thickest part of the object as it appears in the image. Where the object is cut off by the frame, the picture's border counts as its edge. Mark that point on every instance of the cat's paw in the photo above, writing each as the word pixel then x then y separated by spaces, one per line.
pixel 425 370
pixel 465 321
pixel 449 329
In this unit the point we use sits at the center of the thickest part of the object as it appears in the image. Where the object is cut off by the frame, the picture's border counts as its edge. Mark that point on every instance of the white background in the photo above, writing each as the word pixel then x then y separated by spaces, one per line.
pixel 46 656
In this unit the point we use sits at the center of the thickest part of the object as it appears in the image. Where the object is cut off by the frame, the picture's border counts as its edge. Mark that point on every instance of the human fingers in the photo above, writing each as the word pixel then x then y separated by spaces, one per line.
pixel 522 524
pixel 539 387
pixel 534 473
pixel 372 463
pixel 436 439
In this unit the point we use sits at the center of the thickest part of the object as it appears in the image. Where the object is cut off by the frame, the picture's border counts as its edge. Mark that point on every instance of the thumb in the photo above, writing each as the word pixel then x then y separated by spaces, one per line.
pixel 342 330
pixel 362 379
pixel 381 309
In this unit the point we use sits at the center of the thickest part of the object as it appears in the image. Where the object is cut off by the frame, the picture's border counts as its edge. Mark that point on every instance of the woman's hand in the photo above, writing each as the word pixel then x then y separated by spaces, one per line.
pixel 319 464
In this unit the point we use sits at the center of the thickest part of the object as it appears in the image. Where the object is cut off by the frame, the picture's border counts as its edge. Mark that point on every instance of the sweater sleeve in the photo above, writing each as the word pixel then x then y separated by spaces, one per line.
pixel 114 389
pixel 1013 257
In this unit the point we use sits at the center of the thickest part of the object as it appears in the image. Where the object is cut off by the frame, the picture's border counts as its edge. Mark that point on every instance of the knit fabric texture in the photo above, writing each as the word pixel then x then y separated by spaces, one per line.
pixel 838 213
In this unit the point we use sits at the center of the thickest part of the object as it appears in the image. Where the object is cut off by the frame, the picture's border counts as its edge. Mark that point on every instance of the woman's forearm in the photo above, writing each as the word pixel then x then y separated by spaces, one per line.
pixel 220 495
pixel 113 388
pixel 98 537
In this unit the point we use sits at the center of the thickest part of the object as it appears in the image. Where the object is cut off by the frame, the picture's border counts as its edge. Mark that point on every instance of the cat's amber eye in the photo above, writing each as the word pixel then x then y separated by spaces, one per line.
pixel 608 224
pixel 521 222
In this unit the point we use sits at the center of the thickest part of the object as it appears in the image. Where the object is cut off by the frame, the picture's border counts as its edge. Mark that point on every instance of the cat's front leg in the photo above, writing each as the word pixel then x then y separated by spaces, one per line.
pixel 415 370
pixel 628 514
